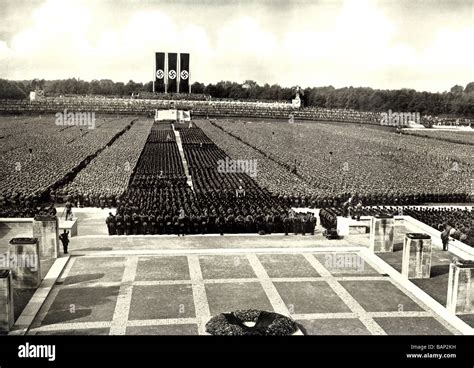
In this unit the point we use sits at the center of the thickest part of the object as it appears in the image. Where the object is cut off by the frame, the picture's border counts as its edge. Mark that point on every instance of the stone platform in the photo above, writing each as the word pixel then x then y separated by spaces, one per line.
pixel 172 285
pixel 347 226
pixel 177 292
pixel 70 225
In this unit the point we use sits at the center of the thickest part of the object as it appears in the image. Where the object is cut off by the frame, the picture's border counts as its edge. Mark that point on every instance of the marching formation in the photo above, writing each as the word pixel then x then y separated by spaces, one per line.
pixel 159 200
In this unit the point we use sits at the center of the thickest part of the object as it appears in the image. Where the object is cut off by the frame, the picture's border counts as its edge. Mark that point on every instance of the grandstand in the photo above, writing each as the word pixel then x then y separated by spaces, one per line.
pixel 213 108
pixel 205 106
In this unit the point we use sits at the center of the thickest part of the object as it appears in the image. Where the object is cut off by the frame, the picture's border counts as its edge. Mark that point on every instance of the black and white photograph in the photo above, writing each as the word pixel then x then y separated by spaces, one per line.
pixel 226 170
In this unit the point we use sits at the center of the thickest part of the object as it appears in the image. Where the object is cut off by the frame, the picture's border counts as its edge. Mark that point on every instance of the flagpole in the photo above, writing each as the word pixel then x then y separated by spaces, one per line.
pixel 178 70
pixel 166 72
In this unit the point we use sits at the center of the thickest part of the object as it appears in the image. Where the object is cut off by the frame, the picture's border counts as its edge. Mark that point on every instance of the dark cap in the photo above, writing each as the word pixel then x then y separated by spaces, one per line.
pixel 417 236
pixel 23 241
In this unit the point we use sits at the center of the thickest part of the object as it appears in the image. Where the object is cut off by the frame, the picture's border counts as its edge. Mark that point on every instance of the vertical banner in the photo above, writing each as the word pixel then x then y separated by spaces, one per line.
pixel 160 72
pixel 184 73
pixel 172 72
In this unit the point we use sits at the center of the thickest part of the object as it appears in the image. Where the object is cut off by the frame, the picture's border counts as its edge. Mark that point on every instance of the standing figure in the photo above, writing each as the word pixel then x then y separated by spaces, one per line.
pixel 110 221
pixel 68 210
pixel 64 237
pixel 181 222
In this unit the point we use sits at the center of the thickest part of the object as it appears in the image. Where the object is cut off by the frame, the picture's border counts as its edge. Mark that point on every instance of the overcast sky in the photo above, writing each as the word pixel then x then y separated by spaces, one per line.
pixel 426 45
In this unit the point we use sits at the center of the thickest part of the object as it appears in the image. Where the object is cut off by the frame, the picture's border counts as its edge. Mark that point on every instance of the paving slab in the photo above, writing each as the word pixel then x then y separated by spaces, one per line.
pixel 333 326
pixel 97 269
pixel 380 296
pixel 162 268
pixel 310 297
pixel 82 304
pixel 161 301
pixel 233 296
pixel 412 326
pixel 225 267
pixel 170 330
pixel 287 265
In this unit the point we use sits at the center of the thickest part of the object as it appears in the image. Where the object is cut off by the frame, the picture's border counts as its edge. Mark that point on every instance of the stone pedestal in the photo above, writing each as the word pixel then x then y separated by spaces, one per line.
pixel 46 230
pixel 382 231
pixel 461 287
pixel 347 226
pixel 70 225
pixel 24 262
pixel 416 262
pixel 6 301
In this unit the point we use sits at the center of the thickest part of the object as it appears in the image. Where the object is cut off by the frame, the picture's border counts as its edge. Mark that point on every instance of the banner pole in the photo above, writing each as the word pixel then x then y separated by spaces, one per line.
pixel 166 72
pixel 178 71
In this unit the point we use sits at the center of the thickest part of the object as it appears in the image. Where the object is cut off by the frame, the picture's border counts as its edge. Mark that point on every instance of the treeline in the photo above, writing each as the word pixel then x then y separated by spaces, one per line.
pixel 248 90
pixel 458 101
pixel 104 87
pixel 13 90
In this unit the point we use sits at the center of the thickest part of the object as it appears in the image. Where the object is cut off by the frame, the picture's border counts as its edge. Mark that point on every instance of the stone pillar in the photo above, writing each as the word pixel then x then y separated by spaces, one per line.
pixel 416 261
pixel 24 261
pixel 461 287
pixel 46 230
pixel 382 231
pixel 6 301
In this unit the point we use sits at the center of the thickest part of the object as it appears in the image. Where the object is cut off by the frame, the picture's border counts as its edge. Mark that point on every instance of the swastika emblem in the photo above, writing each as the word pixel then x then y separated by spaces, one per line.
pixel 172 74
pixel 184 74
pixel 160 74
